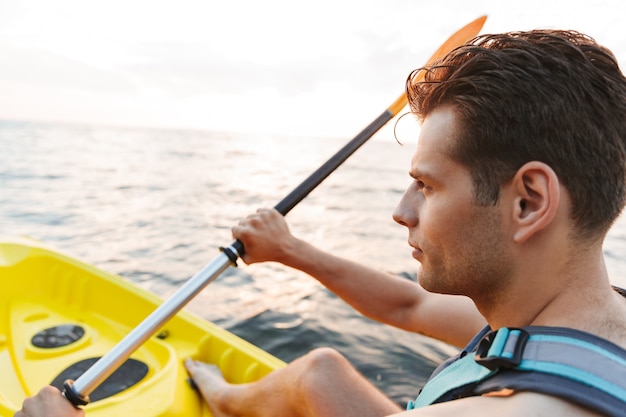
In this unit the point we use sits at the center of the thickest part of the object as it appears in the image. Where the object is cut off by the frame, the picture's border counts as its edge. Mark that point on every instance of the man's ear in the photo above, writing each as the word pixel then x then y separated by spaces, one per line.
pixel 537 197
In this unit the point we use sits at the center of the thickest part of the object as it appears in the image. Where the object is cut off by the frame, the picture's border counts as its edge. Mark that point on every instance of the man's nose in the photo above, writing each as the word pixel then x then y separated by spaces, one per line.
pixel 406 212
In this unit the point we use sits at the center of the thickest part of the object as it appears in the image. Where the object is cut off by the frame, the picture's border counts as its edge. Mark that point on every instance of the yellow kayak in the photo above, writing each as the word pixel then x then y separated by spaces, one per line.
pixel 58 315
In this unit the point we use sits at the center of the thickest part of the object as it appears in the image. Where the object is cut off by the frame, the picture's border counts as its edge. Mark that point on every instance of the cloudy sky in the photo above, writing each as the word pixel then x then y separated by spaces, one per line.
pixel 320 67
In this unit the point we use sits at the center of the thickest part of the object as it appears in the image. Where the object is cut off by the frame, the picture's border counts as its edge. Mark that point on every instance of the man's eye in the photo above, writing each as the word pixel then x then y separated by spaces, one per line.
pixel 421 187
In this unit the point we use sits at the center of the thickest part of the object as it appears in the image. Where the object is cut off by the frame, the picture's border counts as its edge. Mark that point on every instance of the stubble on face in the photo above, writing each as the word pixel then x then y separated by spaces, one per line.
pixel 474 264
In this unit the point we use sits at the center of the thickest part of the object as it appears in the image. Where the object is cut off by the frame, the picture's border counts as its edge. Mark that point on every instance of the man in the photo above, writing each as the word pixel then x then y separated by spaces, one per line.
pixel 519 173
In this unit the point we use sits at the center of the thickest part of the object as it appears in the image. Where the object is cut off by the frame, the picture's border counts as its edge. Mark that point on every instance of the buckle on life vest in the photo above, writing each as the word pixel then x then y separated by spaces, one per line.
pixel 502 348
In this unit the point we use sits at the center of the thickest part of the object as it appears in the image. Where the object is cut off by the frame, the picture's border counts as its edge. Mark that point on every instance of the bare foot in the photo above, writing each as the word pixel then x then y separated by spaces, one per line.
pixel 210 381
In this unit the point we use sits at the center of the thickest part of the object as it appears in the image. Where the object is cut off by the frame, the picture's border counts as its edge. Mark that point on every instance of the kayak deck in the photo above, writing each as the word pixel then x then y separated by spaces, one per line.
pixel 58 315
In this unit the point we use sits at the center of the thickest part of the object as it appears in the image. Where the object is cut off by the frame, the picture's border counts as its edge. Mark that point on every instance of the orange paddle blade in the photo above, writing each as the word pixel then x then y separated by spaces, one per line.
pixel 457 39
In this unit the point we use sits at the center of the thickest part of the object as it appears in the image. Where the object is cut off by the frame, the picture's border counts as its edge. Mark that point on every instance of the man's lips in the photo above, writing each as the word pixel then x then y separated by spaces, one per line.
pixel 417 252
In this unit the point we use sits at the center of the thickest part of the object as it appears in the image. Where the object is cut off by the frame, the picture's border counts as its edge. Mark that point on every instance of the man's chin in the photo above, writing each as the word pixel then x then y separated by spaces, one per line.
pixel 433 284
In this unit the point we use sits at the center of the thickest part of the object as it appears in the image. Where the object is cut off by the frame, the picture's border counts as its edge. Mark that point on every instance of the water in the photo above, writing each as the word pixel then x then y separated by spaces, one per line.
pixel 154 206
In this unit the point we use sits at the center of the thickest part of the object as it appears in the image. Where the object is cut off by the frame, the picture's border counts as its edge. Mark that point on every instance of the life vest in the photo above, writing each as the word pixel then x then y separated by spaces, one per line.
pixel 570 364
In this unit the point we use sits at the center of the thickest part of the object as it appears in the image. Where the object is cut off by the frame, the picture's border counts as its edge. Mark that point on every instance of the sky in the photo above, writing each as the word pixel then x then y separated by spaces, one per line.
pixel 324 67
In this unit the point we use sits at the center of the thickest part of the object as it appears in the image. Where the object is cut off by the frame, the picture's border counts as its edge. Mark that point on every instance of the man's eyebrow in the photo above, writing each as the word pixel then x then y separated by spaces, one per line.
pixel 416 173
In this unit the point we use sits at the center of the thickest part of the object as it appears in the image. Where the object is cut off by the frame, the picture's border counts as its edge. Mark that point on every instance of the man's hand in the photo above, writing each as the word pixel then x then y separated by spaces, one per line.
pixel 49 403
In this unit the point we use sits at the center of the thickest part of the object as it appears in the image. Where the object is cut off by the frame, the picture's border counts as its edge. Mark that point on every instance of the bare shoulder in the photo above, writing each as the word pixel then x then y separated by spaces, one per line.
pixel 520 404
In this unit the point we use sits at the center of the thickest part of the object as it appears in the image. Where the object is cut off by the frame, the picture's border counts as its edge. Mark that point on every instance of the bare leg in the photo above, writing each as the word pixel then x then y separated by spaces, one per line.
pixel 321 383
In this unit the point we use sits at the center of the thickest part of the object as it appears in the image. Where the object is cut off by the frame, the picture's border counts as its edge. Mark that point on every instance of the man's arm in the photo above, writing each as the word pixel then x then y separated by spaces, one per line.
pixel 380 296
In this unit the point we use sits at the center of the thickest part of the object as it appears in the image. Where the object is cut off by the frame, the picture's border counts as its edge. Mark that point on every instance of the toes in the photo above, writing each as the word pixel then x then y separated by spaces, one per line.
pixel 203 372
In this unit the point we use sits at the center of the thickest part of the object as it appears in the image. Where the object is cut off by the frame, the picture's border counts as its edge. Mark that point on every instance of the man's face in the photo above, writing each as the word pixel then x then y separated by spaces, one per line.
pixel 459 244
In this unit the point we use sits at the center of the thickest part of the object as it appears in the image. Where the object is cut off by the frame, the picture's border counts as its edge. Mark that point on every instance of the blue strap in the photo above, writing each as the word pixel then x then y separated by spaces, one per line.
pixel 578 360
pixel 576 356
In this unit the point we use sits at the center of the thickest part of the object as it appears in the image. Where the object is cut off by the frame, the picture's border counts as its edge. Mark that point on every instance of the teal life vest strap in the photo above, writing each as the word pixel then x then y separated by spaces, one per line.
pixel 535 359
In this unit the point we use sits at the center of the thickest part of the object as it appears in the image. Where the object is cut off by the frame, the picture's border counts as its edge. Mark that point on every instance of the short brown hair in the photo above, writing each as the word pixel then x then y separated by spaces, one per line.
pixel 546 95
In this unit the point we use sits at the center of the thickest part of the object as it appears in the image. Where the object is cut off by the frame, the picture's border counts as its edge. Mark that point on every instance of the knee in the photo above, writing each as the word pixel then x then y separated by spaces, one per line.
pixel 325 357
pixel 321 367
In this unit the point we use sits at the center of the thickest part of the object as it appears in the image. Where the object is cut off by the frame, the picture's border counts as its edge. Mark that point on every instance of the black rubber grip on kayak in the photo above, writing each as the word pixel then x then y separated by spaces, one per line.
pixel 130 373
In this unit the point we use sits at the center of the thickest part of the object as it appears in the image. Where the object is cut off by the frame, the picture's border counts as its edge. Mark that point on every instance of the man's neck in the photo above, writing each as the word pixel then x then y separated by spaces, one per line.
pixel 565 291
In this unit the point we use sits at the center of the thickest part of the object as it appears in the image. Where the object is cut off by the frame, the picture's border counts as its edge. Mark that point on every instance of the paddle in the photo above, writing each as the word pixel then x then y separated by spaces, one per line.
pixel 77 392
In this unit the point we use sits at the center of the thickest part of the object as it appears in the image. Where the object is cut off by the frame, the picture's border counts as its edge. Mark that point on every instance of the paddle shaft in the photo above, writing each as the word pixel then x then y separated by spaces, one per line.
pixel 77 392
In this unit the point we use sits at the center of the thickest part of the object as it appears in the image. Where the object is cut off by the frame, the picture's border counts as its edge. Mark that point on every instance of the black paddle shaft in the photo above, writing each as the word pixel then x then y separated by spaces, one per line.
pixel 316 178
